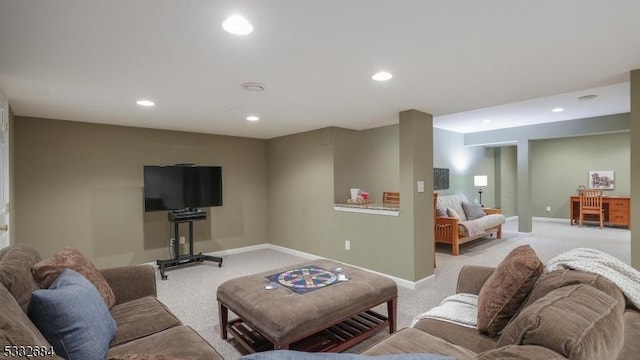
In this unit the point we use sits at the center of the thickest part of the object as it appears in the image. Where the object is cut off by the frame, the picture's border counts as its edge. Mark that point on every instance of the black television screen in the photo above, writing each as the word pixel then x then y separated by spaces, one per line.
pixel 180 187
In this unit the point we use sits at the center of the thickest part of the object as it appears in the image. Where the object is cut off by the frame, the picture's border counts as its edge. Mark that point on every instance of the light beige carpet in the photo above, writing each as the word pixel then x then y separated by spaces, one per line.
pixel 190 290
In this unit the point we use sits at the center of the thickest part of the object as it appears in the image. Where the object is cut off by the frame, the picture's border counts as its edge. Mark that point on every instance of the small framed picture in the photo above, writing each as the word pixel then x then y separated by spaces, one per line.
pixel 601 179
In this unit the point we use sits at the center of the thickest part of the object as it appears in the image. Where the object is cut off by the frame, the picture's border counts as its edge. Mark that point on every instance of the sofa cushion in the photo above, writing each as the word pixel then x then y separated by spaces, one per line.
pixel 300 355
pixel 490 221
pixel 473 210
pixel 453 202
pixel 179 341
pixel 577 321
pixel 47 270
pixel 15 327
pixel 469 338
pixel 631 345
pixel 141 317
pixel 73 317
pixel 410 340
pixel 520 352
pixel 441 211
pixel 506 289
pixel 452 213
pixel 143 357
pixel 15 272
pixel 550 281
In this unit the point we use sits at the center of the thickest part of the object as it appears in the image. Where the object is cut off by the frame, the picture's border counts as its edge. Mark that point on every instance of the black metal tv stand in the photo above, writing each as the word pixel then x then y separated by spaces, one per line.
pixel 182 216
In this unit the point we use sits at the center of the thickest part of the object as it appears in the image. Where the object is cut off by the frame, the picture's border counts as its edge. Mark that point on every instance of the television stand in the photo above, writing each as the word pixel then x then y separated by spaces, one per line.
pixel 185 258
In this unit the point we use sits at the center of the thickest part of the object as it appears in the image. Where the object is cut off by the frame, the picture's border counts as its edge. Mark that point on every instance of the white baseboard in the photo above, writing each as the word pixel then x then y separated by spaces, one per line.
pixel 413 285
pixel 240 250
pixel 294 252
pixel 548 219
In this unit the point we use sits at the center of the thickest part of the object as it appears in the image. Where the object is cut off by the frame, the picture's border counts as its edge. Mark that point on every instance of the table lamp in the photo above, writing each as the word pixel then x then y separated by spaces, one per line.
pixel 479 181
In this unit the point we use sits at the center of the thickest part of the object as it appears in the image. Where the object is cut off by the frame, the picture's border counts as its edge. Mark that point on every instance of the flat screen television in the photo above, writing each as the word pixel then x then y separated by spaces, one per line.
pixel 180 187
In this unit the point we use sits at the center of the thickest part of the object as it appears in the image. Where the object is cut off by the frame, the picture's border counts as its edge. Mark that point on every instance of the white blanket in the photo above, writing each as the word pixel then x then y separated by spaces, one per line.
pixel 597 262
pixel 474 228
pixel 460 309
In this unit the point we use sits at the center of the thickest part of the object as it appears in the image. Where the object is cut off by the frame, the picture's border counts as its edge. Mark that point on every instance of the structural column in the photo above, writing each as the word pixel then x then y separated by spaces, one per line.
pixel 416 187
pixel 525 220
pixel 635 168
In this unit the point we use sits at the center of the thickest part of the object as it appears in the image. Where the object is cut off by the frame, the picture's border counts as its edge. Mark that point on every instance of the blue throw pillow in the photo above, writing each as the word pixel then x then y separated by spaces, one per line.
pixel 73 317
pixel 297 355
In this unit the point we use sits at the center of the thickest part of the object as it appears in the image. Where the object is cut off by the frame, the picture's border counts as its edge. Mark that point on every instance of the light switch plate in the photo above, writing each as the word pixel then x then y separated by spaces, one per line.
pixel 421 186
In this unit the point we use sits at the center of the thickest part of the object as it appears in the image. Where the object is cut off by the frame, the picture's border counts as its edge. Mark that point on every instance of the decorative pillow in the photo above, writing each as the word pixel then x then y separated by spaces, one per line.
pixel 506 289
pixel 73 317
pixel 441 211
pixel 299 355
pixel 576 321
pixel 47 270
pixel 473 210
pixel 452 213
pixel 550 281
pixel 143 357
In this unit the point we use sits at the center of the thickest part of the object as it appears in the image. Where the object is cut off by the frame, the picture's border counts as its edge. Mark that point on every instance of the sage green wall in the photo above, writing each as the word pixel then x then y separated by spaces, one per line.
pixel 12 178
pixel 463 163
pixel 635 167
pixel 367 160
pixel 508 170
pixel 300 187
pixel 81 185
pixel 301 195
pixel 560 165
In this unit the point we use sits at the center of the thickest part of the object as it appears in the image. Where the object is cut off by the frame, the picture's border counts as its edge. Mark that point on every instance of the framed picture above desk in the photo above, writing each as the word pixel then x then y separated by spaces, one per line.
pixel 617 210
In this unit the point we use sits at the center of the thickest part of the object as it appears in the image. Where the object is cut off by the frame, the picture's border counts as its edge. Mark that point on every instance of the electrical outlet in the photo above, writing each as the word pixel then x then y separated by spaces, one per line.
pixel 347 245
pixel 171 241
pixel 182 240
pixel 548 208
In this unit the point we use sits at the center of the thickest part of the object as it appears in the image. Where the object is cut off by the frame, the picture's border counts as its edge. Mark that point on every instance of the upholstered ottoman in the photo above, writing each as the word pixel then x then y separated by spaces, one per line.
pixel 332 317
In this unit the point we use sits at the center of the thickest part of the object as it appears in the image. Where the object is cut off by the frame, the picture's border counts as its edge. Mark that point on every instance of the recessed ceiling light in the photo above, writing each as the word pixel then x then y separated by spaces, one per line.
pixel 254 86
pixel 587 97
pixel 237 25
pixel 486 121
pixel 381 76
pixel 146 103
pixel 252 118
pixel 558 109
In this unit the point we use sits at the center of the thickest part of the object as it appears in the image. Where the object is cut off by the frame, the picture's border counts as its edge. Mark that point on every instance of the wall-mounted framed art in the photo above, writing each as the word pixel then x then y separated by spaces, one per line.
pixel 440 179
pixel 601 179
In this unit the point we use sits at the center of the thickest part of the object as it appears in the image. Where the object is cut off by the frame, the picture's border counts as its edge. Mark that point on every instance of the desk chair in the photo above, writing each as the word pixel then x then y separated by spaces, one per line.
pixel 391 199
pixel 591 204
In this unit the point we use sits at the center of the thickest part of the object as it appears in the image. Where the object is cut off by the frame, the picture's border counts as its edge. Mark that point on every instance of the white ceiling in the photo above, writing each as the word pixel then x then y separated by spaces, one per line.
pixel 463 61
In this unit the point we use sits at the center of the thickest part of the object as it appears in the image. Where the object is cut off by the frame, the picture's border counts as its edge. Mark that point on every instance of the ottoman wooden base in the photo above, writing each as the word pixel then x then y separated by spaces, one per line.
pixel 332 318
pixel 336 338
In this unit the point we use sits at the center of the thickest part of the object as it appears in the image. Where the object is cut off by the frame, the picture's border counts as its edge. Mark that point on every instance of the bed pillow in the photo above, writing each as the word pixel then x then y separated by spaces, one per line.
pixel 473 210
pixel 452 213
pixel 506 289
pixel 47 270
pixel 73 317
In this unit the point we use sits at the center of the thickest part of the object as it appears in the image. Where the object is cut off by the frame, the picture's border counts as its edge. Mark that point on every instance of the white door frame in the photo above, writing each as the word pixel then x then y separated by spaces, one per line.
pixel 5 230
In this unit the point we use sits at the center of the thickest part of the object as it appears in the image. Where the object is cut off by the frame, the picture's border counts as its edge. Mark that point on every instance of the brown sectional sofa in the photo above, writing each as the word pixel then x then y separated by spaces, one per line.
pixel 146 328
pixel 568 314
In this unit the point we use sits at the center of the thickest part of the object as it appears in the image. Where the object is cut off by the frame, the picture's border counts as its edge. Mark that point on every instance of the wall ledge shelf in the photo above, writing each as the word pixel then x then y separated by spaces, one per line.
pixel 373 210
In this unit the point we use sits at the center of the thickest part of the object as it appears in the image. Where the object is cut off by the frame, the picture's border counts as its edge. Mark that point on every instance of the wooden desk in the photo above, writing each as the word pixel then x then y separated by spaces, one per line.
pixel 617 210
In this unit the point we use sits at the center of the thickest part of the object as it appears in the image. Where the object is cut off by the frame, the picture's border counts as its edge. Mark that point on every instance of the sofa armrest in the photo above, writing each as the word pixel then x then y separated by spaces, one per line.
pixel 490 211
pixel 472 277
pixel 131 282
